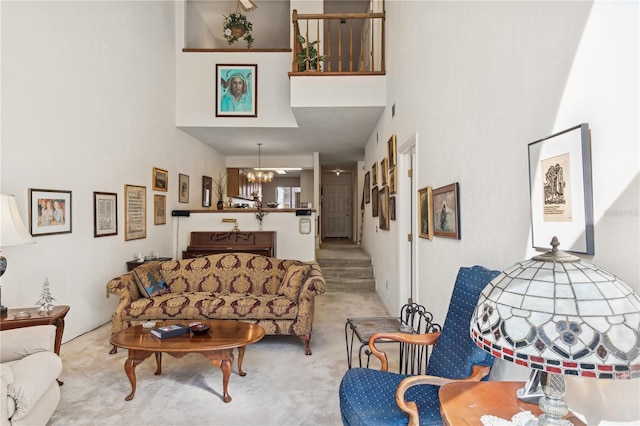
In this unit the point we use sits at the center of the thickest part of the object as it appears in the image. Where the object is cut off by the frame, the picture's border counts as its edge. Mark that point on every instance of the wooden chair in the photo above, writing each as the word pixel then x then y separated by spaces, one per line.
pixel 369 397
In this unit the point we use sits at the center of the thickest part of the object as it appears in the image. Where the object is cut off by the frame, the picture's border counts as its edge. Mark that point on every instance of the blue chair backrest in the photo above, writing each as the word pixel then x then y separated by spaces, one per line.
pixel 455 352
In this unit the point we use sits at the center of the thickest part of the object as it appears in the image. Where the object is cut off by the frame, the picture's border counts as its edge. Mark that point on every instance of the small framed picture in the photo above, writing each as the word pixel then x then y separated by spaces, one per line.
pixel 374 201
pixel 159 209
pixel 207 183
pixel 392 208
pixel 49 212
pixel 183 188
pixel 367 188
pixel 135 212
pixel 374 174
pixel 446 212
pixel 393 181
pixel 391 148
pixel 236 90
pixel 425 215
pixel 105 214
pixel 384 171
pixel 383 197
pixel 160 179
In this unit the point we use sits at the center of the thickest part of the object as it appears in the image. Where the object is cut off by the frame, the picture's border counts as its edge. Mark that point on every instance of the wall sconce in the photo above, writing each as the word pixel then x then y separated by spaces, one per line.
pixel 235 223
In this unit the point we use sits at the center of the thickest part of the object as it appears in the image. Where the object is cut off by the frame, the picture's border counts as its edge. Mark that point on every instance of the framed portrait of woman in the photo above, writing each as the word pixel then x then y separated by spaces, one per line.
pixel 236 90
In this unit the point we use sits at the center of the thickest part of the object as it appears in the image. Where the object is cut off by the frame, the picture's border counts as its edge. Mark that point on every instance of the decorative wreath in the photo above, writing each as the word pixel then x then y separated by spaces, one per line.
pixel 237 26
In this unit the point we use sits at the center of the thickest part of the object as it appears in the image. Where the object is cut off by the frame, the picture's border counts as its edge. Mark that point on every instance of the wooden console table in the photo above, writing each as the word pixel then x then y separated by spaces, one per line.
pixel 133 264
pixel 463 403
pixel 207 243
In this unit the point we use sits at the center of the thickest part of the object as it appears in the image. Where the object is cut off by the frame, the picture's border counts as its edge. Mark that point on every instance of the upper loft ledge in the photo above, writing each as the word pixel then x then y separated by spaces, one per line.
pixel 238 50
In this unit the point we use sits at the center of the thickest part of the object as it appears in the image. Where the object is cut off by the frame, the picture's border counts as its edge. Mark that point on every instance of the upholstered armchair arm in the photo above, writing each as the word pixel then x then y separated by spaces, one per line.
pixel 414 339
pixel 314 284
pixel 20 342
pixel 410 407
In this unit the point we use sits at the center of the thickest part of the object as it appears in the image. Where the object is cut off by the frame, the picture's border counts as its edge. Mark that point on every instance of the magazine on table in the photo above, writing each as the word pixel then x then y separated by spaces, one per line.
pixel 170 330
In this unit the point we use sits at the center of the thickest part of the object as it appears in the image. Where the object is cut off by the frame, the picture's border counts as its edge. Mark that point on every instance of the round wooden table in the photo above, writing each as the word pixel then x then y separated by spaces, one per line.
pixel 223 337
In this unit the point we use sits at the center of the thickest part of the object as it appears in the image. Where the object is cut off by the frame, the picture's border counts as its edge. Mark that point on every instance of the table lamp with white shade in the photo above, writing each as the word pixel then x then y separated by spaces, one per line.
pixel 13 232
pixel 559 315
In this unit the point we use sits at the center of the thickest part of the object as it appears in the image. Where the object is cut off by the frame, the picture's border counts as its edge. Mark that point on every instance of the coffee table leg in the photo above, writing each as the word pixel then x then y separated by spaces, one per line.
pixel 158 363
pixel 135 358
pixel 224 360
pixel 240 358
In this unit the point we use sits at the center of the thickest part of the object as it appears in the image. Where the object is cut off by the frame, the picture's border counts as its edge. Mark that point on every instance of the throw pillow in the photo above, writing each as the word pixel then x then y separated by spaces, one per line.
pixel 150 280
pixel 293 280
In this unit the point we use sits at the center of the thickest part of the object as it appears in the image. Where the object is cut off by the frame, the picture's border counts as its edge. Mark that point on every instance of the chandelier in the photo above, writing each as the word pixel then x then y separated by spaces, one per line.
pixel 260 176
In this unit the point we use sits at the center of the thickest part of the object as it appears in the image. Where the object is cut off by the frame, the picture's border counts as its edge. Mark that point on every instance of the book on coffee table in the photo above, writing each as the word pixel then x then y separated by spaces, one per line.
pixel 170 330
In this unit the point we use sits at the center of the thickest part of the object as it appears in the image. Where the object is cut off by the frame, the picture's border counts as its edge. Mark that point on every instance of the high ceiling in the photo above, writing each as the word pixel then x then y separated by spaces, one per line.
pixel 337 134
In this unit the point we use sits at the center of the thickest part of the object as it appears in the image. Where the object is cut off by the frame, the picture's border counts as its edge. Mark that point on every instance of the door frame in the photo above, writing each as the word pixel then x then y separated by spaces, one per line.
pixel 347 179
pixel 407 222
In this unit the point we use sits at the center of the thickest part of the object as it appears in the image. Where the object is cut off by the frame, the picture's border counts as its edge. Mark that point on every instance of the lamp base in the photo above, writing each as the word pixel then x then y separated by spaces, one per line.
pixel 3 311
pixel 531 392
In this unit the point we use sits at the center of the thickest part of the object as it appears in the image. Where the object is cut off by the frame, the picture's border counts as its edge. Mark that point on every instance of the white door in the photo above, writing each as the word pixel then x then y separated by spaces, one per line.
pixel 336 211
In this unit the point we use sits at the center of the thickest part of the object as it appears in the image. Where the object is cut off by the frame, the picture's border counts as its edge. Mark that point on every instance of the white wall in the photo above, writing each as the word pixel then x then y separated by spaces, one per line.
pixel 88 104
pixel 478 81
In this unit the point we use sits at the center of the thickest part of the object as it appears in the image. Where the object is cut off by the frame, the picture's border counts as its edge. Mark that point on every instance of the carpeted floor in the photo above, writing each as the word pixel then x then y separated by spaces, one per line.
pixel 282 386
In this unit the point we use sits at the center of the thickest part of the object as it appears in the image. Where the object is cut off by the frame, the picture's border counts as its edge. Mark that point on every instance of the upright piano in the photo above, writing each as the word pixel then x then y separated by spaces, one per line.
pixel 215 242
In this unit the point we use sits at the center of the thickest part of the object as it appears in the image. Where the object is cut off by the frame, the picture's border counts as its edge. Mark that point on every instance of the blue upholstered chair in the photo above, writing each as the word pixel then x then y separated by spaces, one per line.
pixel 374 397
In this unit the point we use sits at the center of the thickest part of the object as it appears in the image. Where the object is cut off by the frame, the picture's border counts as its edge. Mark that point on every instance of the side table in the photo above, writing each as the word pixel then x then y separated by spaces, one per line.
pixel 132 264
pixel 463 403
pixel 55 317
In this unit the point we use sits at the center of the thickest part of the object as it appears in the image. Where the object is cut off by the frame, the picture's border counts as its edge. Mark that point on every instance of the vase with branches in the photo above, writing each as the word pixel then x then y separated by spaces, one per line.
pixel 219 187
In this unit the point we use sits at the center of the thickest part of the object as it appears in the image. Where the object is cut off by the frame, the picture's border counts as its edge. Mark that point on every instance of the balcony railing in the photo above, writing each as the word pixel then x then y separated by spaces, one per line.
pixel 347 44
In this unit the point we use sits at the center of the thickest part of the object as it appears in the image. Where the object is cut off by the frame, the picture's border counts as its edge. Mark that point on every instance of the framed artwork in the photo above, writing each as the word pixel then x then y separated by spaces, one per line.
pixel 392 208
pixel 425 214
pixel 374 174
pixel 105 214
pixel 391 148
pixel 384 171
pixel 183 188
pixel 236 90
pixel 207 184
pixel 159 209
pixel 49 212
pixel 367 188
pixel 383 197
pixel 446 212
pixel 374 201
pixel 135 212
pixel 392 181
pixel 160 179
pixel 561 190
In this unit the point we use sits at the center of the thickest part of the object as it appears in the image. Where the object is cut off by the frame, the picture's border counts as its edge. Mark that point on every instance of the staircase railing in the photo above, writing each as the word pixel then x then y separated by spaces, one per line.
pixel 346 43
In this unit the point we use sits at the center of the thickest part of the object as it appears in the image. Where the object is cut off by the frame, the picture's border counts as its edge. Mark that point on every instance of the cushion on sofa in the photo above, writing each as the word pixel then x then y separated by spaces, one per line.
pixel 150 280
pixel 292 281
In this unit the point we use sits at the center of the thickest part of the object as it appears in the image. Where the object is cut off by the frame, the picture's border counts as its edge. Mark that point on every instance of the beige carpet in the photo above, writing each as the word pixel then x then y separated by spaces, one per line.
pixel 282 386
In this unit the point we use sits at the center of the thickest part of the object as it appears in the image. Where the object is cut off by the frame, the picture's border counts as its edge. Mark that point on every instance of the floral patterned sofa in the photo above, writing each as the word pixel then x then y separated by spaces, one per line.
pixel 277 294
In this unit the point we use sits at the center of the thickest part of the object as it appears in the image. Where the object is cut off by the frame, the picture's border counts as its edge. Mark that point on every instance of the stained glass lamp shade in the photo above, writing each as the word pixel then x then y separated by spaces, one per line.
pixel 560 315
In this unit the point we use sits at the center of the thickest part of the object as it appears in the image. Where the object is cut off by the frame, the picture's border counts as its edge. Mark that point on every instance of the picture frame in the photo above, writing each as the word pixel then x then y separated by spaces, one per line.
pixel 367 188
pixel 393 181
pixel 374 174
pixel 105 214
pixel 160 179
pixel 50 212
pixel 207 185
pixel 183 188
pixel 236 90
pixel 384 171
pixel 383 216
pixel 159 209
pixel 560 185
pixel 304 225
pixel 392 151
pixel 425 214
pixel 446 211
pixel 392 208
pixel 135 212
pixel 374 201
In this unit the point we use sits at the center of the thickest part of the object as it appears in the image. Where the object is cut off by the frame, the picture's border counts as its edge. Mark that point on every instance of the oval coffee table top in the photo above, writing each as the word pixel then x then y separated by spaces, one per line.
pixel 223 334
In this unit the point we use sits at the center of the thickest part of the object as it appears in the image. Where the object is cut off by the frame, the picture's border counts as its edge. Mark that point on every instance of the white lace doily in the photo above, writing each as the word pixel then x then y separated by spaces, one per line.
pixel 524 418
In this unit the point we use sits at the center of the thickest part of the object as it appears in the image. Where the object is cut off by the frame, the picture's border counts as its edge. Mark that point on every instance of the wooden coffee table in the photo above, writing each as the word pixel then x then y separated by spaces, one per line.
pixel 218 345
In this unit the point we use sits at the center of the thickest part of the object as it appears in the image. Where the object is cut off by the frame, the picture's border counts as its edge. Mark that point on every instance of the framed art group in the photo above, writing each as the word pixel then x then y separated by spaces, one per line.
pixel 383 205
pixel 439 212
